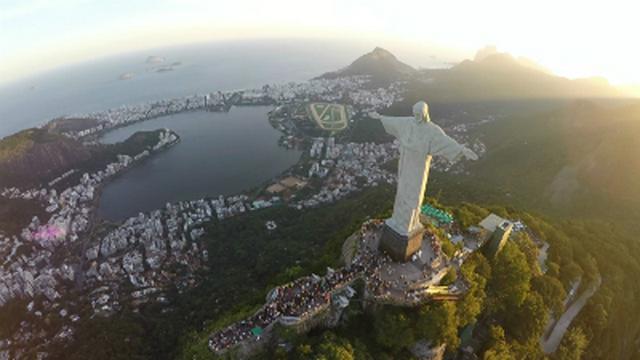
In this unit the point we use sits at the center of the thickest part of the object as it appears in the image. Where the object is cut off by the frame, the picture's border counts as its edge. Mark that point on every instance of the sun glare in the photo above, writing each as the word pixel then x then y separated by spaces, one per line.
pixel 572 38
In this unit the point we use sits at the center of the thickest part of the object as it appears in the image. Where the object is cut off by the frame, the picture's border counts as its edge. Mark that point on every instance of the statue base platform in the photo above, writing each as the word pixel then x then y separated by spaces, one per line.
pixel 400 247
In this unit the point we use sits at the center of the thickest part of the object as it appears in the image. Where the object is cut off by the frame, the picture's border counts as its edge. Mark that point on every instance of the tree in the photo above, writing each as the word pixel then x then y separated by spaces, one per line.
pixel 552 292
pixel 450 277
pixel 472 303
pixel 439 323
pixel 527 350
pixel 447 246
pixel 527 321
pixel 589 266
pixel 329 347
pixel 593 318
pixel 393 328
pixel 553 269
pixel 469 214
pixel 334 348
pixel 116 338
pixel 510 277
pixel 530 250
pixel 481 265
pixel 11 314
pixel 570 272
pixel 304 351
pixel 498 348
pixel 573 345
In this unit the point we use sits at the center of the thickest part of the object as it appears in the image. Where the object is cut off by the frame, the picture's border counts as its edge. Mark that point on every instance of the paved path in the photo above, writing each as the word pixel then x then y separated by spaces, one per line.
pixel 551 343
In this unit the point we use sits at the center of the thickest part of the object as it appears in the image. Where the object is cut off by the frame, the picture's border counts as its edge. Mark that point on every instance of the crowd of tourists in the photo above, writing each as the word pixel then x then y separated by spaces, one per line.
pixel 300 299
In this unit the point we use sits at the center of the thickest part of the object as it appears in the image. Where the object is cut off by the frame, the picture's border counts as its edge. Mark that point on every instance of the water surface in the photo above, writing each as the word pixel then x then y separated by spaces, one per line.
pixel 219 153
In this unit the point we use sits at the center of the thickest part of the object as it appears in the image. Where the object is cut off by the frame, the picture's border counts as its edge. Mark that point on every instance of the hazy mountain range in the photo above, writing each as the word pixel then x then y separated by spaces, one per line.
pixel 578 159
pixel 491 75
pixel 565 145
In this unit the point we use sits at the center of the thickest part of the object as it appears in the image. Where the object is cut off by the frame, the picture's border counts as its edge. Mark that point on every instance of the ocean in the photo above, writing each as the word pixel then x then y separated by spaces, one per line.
pixel 96 85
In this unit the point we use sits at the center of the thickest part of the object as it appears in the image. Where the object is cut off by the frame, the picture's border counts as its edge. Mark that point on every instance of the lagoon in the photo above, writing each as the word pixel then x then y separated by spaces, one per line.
pixel 219 153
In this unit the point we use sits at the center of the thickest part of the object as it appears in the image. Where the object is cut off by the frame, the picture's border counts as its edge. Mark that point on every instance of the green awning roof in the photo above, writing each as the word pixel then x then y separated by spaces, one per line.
pixel 441 216
pixel 257 331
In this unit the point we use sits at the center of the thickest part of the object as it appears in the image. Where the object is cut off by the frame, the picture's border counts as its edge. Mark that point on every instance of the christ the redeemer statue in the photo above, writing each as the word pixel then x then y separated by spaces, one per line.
pixel 419 140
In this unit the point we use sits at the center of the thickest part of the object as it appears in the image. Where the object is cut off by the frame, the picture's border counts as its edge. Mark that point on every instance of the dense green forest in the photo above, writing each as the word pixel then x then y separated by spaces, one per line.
pixel 595 215
pixel 574 165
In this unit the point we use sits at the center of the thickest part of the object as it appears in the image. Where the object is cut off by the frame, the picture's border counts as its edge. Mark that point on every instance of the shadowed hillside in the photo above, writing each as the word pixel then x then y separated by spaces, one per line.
pixel 580 159
pixel 36 154
pixel 502 77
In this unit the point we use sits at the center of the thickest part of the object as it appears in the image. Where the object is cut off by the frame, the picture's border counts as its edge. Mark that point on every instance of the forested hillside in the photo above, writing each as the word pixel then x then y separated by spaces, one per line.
pixel 577 165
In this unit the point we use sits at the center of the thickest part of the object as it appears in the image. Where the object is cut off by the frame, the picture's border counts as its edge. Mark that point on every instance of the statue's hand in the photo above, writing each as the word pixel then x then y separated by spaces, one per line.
pixel 469 154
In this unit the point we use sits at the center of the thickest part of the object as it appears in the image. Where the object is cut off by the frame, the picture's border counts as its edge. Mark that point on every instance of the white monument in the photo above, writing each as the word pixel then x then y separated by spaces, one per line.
pixel 419 140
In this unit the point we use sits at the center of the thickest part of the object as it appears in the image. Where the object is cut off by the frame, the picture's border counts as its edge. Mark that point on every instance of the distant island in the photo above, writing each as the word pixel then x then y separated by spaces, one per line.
pixel 153 59
pixel 127 76
pixel 159 66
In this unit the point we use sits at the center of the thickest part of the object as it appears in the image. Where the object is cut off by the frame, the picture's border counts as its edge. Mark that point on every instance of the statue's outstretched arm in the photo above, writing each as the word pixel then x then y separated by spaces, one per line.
pixel 446 146
pixel 392 126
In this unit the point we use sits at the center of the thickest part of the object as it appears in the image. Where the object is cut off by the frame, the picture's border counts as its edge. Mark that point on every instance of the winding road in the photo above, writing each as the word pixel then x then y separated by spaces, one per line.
pixel 551 343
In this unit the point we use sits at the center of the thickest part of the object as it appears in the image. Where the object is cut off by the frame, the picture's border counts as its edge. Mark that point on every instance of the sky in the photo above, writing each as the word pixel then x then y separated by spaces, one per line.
pixel 573 38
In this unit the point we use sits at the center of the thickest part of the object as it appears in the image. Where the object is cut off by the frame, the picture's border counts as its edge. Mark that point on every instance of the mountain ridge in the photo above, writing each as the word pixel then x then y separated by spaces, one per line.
pixel 380 64
pixel 490 76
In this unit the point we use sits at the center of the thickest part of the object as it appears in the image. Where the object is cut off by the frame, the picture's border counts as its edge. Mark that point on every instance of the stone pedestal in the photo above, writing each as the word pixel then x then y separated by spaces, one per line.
pixel 401 247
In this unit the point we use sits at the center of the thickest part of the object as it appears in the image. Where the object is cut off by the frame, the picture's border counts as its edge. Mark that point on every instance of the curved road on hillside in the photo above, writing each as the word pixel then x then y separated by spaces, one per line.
pixel 551 343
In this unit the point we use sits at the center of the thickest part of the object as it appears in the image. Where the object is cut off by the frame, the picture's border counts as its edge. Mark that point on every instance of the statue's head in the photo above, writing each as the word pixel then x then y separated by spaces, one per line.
pixel 421 111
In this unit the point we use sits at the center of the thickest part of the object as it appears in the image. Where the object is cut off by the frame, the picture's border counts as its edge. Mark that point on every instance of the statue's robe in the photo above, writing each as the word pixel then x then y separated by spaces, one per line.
pixel 419 140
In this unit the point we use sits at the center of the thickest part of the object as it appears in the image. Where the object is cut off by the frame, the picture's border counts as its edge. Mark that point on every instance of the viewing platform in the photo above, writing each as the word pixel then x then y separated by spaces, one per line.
pixel 313 300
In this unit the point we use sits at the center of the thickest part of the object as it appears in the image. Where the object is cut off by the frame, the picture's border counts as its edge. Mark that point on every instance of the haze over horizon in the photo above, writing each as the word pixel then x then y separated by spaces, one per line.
pixel 39 35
